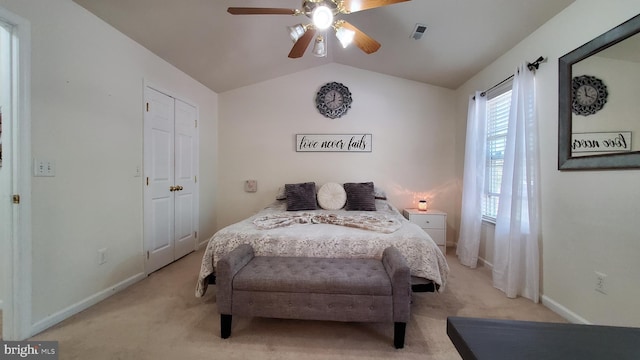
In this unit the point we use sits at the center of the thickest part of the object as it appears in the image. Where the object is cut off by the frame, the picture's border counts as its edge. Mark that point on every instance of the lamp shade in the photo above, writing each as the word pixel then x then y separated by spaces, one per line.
pixel 345 36
pixel 422 205
pixel 319 47
pixel 296 32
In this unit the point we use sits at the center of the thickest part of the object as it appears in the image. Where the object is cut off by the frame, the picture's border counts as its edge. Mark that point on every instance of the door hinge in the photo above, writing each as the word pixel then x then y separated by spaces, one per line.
pixel 147 107
pixel 196 122
pixel 16 199
pixel 195 179
pixel 196 234
pixel 147 255
pixel 147 181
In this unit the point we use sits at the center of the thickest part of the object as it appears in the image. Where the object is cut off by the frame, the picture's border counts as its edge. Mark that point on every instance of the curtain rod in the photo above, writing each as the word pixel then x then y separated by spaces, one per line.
pixel 532 66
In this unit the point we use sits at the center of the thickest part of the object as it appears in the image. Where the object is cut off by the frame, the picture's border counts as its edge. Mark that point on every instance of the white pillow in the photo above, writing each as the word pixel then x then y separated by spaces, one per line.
pixel 332 196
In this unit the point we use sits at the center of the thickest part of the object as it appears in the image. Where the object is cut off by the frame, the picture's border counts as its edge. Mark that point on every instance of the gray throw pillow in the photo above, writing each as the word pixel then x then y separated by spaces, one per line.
pixel 360 196
pixel 301 196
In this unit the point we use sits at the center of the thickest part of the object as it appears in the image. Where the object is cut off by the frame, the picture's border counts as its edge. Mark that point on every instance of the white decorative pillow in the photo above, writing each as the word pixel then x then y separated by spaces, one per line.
pixel 332 196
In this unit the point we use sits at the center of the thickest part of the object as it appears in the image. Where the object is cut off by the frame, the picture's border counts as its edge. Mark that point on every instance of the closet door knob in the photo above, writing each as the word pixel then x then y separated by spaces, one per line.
pixel 173 188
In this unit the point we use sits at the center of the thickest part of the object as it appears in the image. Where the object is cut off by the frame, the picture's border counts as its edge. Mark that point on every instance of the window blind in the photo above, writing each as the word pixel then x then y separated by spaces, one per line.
pixel 498 106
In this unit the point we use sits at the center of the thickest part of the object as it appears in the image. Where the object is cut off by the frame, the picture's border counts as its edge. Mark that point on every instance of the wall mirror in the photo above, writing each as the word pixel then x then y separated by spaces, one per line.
pixel 599 102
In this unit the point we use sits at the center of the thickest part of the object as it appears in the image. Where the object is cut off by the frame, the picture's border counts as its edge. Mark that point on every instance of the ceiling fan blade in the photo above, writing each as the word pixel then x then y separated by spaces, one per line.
pixel 362 40
pixel 260 11
pixel 301 45
pixel 359 5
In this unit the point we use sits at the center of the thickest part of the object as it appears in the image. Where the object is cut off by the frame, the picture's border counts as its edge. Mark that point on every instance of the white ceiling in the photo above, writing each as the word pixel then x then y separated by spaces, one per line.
pixel 225 51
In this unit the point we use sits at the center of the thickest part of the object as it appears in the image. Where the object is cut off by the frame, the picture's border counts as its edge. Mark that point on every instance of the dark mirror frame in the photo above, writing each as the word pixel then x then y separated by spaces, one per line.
pixel 627 160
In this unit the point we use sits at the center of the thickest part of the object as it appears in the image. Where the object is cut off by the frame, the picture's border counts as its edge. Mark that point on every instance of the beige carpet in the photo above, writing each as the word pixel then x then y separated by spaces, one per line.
pixel 160 318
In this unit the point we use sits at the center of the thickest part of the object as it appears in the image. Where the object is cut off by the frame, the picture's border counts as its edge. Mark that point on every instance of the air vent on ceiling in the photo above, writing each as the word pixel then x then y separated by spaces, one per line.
pixel 418 31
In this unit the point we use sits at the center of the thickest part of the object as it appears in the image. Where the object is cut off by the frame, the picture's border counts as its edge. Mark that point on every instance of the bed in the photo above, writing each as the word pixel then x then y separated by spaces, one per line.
pixel 277 230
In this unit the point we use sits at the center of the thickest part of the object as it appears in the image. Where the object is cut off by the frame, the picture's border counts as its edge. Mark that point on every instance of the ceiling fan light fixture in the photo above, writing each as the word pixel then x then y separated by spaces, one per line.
pixel 319 47
pixel 322 17
pixel 296 32
pixel 345 36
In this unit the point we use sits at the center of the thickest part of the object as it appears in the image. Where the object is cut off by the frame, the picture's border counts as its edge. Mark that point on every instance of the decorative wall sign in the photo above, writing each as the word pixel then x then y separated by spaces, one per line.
pixel 601 141
pixel 333 142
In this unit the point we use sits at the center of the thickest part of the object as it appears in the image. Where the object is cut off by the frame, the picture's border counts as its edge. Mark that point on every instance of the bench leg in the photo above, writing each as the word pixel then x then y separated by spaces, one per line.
pixel 225 326
pixel 398 334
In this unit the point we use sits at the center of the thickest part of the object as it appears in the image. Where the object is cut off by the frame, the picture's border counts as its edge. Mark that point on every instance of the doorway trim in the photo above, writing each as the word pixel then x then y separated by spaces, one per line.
pixel 17 304
pixel 147 84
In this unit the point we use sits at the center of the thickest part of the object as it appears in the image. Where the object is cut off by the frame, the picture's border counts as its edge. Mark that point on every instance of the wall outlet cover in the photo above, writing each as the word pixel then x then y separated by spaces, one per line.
pixel 251 186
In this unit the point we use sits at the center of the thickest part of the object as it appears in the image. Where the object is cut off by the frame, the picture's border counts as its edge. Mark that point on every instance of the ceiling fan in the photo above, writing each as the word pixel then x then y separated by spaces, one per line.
pixel 323 13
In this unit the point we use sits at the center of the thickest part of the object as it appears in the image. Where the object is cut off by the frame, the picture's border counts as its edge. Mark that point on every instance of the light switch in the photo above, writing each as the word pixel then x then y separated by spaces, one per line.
pixel 43 167
pixel 251 186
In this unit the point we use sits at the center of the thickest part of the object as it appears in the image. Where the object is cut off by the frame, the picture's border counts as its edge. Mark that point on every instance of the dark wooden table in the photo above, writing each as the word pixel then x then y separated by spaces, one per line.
pixel 490 339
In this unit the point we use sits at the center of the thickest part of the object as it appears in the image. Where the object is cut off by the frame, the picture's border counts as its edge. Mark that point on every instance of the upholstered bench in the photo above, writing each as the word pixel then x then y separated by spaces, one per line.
pixel 354 290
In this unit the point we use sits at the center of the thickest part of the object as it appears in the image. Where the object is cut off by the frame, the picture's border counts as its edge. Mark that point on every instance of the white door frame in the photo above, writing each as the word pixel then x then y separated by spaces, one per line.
pixel 146 84
pixel 17 305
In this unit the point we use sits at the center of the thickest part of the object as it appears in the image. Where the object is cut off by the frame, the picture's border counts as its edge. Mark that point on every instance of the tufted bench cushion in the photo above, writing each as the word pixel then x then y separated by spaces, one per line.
pixel 314 275
pixel 368 290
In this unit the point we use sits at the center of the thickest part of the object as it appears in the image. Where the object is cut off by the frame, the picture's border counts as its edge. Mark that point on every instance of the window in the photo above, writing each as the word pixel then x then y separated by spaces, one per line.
pixel 498 106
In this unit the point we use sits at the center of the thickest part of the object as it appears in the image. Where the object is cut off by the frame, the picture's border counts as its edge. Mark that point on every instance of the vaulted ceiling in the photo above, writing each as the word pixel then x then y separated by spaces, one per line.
pixel 225 52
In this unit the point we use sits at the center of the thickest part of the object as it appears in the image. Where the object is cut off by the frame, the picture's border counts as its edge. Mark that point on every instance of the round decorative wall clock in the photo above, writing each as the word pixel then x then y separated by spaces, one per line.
pixel 333 100
pixel 589 94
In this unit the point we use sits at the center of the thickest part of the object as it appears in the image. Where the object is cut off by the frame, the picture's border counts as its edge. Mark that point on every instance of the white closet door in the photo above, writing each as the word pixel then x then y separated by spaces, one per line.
pixel 185 178
pixel 159 204
pixel 171 191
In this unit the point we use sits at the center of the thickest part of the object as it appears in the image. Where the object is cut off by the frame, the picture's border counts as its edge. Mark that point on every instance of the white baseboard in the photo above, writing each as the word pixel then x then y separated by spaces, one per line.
pixel 202 243
pixel 563 311
pixel 485 263
pixel 63 314
pixel 550 303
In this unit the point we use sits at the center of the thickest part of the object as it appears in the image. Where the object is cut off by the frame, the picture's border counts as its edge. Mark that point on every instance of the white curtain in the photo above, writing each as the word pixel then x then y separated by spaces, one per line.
pixel 473 182
pixel 516 250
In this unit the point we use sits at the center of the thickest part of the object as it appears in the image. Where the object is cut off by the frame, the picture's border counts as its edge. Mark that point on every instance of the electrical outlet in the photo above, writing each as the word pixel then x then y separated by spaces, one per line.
pixel 601 281
pixel 102 256
pixel 251 186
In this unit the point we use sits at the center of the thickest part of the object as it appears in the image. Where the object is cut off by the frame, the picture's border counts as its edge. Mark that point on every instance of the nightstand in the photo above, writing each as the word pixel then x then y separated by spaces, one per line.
pixel 433 222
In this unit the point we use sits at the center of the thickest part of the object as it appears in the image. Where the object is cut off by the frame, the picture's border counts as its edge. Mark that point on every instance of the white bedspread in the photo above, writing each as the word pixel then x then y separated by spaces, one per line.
pixel 370 221
pixel 328 239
